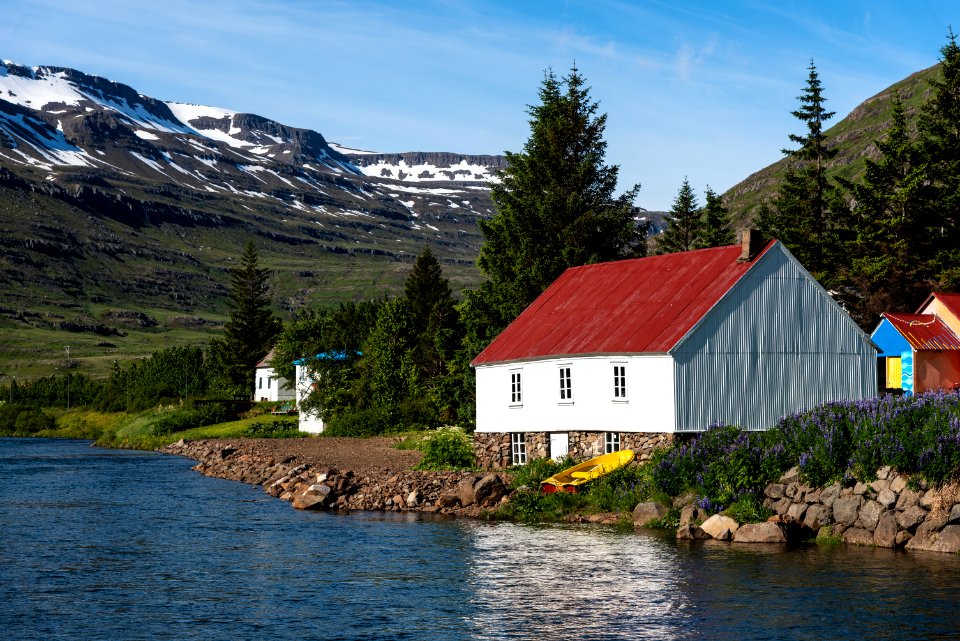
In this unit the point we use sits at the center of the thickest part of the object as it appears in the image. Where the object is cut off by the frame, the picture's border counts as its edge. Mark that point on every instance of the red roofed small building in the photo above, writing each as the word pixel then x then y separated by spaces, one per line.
pixel 920 352
pixel 626 354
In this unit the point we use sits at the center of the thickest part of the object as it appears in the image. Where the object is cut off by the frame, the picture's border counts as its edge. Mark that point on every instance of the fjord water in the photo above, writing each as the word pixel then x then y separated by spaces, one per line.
pixel 106 544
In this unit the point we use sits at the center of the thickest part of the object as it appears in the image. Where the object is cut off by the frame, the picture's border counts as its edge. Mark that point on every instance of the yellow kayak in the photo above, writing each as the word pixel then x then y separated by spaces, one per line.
pixel 570 478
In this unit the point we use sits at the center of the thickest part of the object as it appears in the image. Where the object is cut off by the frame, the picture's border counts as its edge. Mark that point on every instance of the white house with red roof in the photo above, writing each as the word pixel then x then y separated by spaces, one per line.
pixel 626 354
pixel 268 385
pixel 921 352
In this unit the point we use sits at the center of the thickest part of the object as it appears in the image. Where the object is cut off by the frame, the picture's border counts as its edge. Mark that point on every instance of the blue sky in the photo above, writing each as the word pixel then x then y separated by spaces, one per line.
pixel 696 89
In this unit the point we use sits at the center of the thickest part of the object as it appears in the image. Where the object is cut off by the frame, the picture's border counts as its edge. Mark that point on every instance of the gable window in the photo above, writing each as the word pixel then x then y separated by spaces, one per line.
pixel 566 386
pixel 518 448
pixel 516 387
pixel 613 442
pixel 619 382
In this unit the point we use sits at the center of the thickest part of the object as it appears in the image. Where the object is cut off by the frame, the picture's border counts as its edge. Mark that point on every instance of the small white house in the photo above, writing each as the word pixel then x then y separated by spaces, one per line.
pixel 268 385
pixel 629 353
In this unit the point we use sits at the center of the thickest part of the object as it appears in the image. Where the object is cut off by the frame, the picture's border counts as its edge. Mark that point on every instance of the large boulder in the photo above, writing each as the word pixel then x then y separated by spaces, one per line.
pixel 830 494
pixel 689 514
pixel 911 517
pixel 869 515
pixel 768 532
pixel 846 509
pixel 691 532
pixel 718 524
pixel 947 540
pixel 887 499
pixel 858 536
pixel 489 490
pixel 315 497
pixel 816 516
pixel 885 534
pixel 649 511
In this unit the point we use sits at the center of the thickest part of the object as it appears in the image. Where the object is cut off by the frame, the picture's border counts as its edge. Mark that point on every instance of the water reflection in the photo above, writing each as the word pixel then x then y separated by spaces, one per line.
pixel 553 582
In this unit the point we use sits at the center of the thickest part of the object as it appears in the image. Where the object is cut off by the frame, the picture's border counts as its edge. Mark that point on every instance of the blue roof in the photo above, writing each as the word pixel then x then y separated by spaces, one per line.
pixel 333 355
pixel 889 340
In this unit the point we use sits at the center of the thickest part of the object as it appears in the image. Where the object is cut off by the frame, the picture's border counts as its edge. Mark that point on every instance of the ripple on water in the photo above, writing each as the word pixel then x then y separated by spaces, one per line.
pixel 132 545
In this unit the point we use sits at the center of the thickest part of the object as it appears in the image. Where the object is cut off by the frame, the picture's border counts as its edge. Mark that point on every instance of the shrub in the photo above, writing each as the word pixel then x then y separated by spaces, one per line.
pixel 23 420
pixel 275 429
pixel 360 423
pixel 449 448
pixel 180 420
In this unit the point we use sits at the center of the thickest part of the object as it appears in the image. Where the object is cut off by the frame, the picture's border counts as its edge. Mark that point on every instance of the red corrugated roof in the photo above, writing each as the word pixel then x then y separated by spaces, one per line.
pixel 644 305
pixel 950 301
pixel 924 331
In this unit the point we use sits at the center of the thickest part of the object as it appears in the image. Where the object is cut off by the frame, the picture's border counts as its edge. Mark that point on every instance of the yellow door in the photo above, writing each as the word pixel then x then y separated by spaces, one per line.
pixel 894 373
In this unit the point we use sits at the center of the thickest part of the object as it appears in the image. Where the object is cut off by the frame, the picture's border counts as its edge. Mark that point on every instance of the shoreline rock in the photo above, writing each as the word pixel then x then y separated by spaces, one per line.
pixel 310 486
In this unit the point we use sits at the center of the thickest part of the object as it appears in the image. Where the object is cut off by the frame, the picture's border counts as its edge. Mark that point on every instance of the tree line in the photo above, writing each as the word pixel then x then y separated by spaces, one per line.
pixel 880 242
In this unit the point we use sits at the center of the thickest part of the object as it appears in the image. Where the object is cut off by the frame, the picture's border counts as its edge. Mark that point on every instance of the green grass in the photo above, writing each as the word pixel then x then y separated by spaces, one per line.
pixel 135 430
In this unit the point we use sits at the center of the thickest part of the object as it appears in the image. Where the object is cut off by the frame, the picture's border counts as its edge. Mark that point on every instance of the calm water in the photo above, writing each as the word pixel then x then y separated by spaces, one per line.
pixel 101 544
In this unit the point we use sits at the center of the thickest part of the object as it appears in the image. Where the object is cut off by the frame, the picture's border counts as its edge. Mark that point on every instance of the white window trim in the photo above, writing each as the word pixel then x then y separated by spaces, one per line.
pixel 516 402
pixel 569 389
pixel 626 396
pixel 518 448
pixel 607 442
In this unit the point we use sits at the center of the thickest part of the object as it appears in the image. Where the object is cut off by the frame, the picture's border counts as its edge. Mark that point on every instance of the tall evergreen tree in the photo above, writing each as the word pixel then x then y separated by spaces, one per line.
pixel 252 328
pixel 685 226
pixel 717 227
pixel 556 208
pixel 425 288
pixel 807 214
pixel 886 271
pixel 937 184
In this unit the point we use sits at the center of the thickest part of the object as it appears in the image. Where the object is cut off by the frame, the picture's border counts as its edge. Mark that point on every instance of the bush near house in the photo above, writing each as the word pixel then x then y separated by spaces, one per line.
pixel 837 441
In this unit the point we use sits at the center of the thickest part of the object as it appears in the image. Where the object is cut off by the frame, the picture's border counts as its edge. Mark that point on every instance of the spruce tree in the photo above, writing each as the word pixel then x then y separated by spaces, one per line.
pixel 426 287
pixel 252 328
pixel 717 227
pixel 886 271
pixel 684 227
pixel 936 186
pixel 556 208
pixel 807 214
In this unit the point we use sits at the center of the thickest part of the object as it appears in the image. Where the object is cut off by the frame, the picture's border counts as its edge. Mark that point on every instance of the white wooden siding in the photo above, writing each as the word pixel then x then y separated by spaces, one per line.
pixel 776 344
pixel 309 421
pixel 648 406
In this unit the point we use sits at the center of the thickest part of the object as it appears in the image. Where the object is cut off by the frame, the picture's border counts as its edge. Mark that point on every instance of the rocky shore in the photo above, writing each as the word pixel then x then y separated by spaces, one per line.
pixel 890 512
pixel 378 478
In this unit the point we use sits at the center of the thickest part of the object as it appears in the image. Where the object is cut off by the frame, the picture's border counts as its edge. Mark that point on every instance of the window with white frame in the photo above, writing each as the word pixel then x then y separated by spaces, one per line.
pixel 613 442
pixel 516 387
pixel 518 448
pixel 261 383
pixel 269 381
pixel 566 385
pixel 619 382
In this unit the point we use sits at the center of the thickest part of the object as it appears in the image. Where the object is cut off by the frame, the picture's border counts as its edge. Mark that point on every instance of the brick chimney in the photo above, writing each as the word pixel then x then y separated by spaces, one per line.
pixel 750 244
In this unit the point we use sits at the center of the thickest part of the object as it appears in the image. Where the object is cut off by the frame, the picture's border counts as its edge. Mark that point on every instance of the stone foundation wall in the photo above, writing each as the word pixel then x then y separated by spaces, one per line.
pixel 885 513
pixel 492 449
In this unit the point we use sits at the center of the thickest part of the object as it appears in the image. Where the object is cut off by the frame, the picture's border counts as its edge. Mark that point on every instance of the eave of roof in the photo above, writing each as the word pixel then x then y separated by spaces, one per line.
pixel 638 306
pixel 924 332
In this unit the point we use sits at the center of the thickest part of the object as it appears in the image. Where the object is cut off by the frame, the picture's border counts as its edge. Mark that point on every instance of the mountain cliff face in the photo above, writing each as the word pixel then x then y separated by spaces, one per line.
pixel 117 202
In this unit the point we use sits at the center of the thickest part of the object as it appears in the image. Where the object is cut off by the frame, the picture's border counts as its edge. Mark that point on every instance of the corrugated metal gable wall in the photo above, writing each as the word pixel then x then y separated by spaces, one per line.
pixel 775 345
